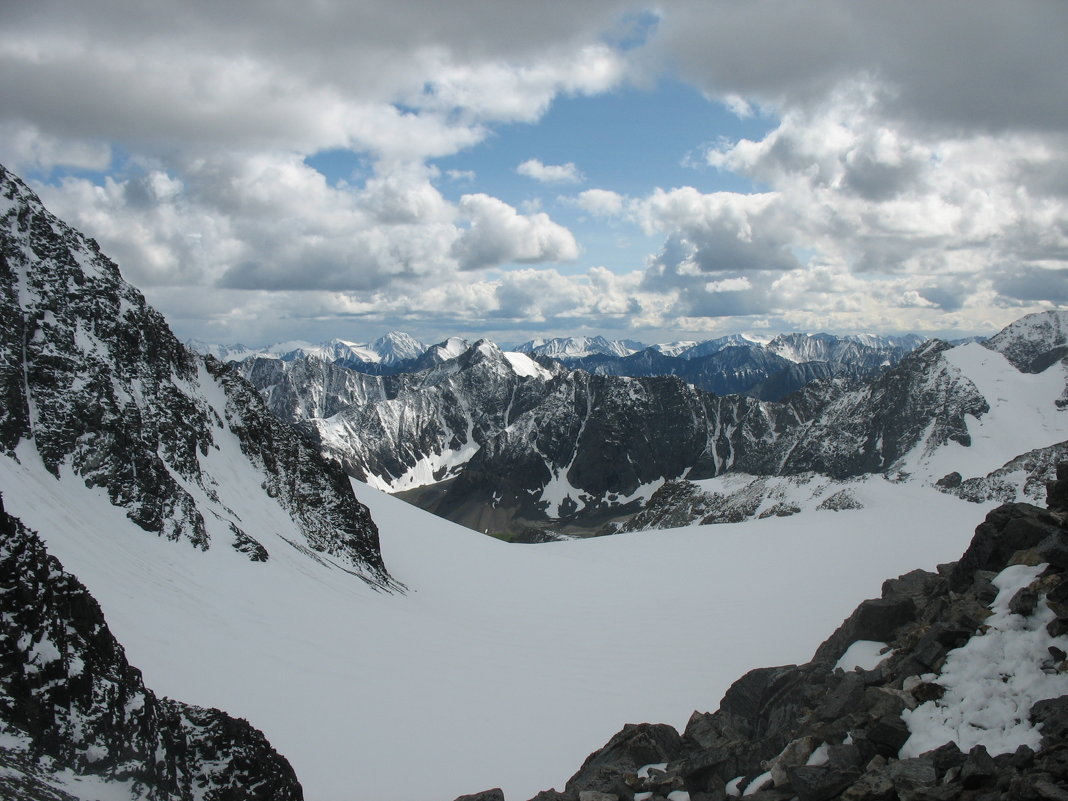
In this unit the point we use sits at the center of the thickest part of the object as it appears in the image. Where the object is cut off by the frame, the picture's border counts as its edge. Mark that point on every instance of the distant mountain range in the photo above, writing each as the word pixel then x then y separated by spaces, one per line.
pixel 531 447
pixel 734 364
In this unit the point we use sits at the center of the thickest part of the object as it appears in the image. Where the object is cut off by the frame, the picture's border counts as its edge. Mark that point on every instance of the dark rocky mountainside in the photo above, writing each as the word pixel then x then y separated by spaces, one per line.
pixel 506 451
pixel 831 730
pixel 94 384
pixel 600 438
pixel 384 427
pixel 848 436
pixel 75 717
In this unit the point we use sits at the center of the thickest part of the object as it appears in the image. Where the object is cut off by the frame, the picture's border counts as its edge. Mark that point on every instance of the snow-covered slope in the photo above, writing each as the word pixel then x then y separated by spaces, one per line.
pixel 95 387
pixel 502 663
pixel 76 720
pixel 1023 415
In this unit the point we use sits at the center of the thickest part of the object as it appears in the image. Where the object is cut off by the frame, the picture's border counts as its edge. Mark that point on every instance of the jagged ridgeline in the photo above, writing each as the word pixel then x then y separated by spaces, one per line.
pixel 502 443
pixel 94 384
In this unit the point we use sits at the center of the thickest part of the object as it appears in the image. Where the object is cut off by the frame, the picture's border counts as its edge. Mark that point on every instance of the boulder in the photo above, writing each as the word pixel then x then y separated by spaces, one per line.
pixel 635 746
pixel 496 794
pixel 819 782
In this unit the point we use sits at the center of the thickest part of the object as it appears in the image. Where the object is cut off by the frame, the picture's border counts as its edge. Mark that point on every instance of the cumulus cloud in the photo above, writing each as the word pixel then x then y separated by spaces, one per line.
pixel 220 225
pixel 914 177
pixel 498 234
pixel 961 64
pixel 722 232
pixel 550 173
pixel 848 191
pixel 601 202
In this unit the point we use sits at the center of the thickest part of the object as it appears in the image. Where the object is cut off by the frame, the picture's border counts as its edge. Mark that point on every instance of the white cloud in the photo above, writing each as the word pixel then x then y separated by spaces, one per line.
pixel 499 234
pixel 601 202
pixel 916 176
pixel 729 285
pixel 550 173
pixel 220 226
pixel 718 232
pixel 506 91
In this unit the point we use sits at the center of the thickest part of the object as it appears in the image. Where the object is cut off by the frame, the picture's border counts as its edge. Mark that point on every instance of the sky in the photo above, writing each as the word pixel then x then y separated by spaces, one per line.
pixel 269 171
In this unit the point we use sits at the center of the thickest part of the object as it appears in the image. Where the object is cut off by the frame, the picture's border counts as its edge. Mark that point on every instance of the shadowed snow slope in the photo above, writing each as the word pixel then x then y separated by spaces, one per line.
pixel 502 662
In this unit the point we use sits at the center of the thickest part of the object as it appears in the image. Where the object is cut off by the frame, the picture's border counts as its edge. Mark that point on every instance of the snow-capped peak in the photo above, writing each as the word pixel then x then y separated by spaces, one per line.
pixel 1033 342
pixel 708 347
pixel 674 348
pixel 580 347
pixel 397 346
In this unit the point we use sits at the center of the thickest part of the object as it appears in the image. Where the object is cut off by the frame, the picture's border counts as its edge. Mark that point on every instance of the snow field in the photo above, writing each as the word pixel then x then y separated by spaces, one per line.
pixel 503 665
pixel 1023 415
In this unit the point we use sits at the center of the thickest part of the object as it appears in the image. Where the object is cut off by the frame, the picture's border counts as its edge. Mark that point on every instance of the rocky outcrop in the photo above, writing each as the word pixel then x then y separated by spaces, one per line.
pixel 740 497
pixel 72 708
pixel 860 722
pixel 1021 479
pixel 95 384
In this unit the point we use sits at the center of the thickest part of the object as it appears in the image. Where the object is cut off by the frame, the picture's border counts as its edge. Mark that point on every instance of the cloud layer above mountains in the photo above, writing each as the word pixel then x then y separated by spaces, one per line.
pixel 914 174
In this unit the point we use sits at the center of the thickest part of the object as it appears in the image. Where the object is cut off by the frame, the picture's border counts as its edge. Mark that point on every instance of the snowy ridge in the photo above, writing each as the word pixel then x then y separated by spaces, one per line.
pixel 711 346
pixel 579 347
pixel 98 388
pixel 392 348
pixel 1033 342
pixel 567 451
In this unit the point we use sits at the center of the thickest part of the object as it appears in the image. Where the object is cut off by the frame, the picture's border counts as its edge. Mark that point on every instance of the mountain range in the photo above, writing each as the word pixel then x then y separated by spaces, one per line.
pixel 168 533
pixel 733 364
pixel 522 448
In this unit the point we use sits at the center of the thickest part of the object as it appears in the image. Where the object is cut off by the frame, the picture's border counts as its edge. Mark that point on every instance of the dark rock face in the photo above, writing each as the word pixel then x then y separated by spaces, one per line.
pixel 818 733
pixel 624 754
pixel 68 695
pixel 94 381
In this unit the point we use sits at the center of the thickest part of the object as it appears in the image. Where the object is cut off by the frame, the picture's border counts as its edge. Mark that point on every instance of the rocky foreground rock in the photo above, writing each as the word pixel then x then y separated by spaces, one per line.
pixel 819 731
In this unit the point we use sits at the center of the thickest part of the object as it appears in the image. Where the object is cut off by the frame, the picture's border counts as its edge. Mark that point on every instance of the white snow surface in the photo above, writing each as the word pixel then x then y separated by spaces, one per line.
pixel 993 680
pixel 863 654
pixel 523 365
pixel 1023 415
pixel 504 665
